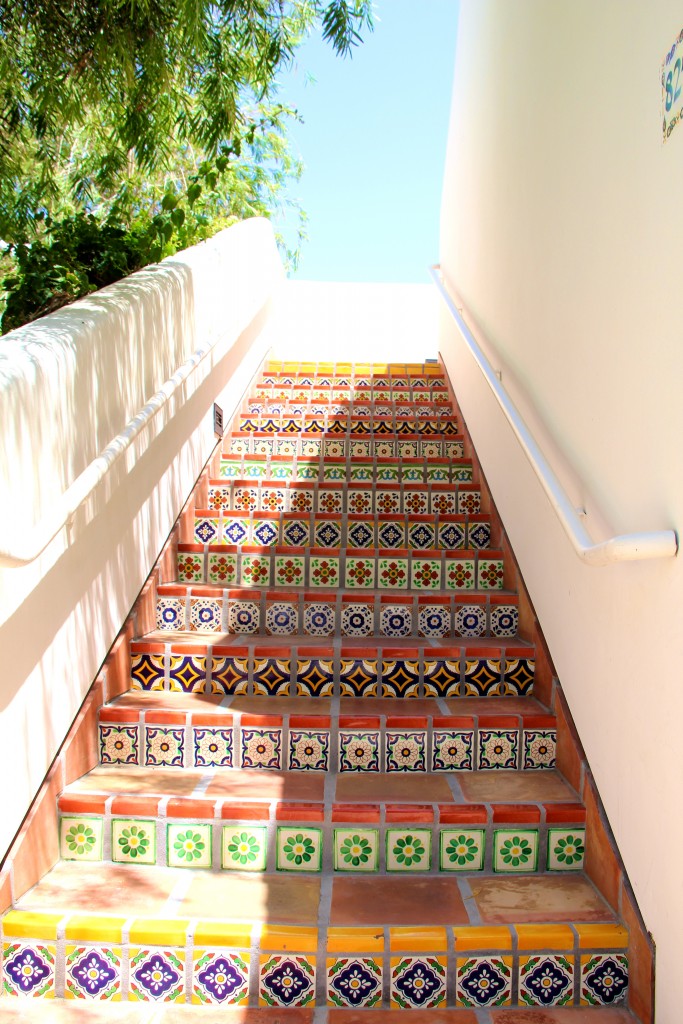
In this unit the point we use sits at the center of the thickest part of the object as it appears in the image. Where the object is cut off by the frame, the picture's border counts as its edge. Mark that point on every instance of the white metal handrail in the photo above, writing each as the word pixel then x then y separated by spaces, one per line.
pixel 626 547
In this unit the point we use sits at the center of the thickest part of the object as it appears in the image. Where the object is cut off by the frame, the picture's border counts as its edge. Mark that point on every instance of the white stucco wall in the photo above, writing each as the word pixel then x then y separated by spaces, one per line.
pixel 561 235
pixel 68 384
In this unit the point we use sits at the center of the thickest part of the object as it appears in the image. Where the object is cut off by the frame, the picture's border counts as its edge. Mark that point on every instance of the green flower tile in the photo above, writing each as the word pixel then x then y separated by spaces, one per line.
pixel 289 571
pixel 243 848
pixel 222 568
pixel 460 574
pixel 80 838
pixel 133 841
pixel 408 849
pixel 490 574
pixel 323 572
pixel 515 850
pixel 298 849
pixel 190 567
pixel 425 574
pixel 254 570
pixel 356 849
pixel 359 573
pixel 566 849
pixel 392 574
pixel 462 849
pixel 188 845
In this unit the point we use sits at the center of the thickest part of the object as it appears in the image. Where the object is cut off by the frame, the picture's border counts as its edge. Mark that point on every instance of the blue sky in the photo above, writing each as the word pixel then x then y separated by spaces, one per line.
pixel 374 142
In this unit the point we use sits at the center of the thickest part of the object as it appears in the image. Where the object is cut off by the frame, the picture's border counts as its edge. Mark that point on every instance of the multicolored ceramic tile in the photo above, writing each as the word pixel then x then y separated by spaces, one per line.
pixel 271 675
pixel 206 529
pixel 434 620
pixel 221 568
pixel 264 532
pixel 425 573
pixel 282 618
pixel 356 849
pixel 498 748
pixel 418 982
pixel 187 673
pixel 328 533
pixel 451 536
pixel 236 529
pixel 170 613
pixel 147 671
pixel 392 573
pixel 133 841
pixel 420 535
pixel 460 573
pixel 490 574
pixel 469 501
pixel 261 748
pixel 80 838
pixel 566 849
pixel 604 979
pixel 273 499
pixel 295 532
pixel 538 746
pixel 462 849
pixel 308 751
pixel 212 747
pixel 318 619
pixel 354 982
pixel 29 969
pixel 519 674
pixel 357 619
pixel 157 974
pixel 289 571
pixel 482 677
pixel 230 674
pixel 243 617
pixel 92 972
pixel 298 849
pixel 504 620
pixel 452 750
pixel 406 751
pixel 244 848
pixel 470 620
pixel 164 747
pixel 391 533
pixel 358 751
pixel 396 620
pixel 323 572
pixel 359 572
pixel 546 980
pixel 400 674
pixel 515 850
pixel 205 615
pixel 188 846
pixel 190 567
pixel 483 981
pixel 219 978
pixel 360 534
pixel 119 744
pixel 409 849
pixel 255 570
pixel 441 676
pixel 479 535
pixel 286 980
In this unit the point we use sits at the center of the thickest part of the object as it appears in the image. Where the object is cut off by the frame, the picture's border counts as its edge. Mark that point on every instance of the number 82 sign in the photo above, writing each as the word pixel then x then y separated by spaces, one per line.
pixel 672 87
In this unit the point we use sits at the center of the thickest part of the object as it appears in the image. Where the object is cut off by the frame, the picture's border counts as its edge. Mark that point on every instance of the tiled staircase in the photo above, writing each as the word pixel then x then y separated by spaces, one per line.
pixel 331 782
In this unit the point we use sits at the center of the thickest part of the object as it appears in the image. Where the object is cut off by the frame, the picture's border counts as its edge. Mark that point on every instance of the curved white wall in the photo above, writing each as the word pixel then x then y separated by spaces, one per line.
pixel 561 235
pixel 68 384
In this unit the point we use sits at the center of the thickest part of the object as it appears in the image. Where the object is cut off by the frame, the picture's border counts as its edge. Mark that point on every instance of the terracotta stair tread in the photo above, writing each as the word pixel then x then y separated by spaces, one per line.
pixel 62 1012
pixel 293 899
pixel 524 788
pixel 201 639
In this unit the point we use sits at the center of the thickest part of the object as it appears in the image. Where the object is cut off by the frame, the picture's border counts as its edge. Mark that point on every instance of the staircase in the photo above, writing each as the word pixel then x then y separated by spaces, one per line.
pixel 332 782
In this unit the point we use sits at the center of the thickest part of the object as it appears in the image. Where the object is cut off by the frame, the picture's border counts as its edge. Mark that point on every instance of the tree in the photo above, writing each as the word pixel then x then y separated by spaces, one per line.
pixel 158 118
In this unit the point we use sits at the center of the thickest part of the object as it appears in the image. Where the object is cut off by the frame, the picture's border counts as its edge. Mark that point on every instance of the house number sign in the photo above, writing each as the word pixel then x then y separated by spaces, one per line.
pixel 672 87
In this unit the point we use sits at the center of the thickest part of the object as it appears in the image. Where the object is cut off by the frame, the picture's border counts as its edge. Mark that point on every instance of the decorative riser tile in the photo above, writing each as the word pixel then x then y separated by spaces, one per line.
pixel 223 964
pixel 277 613
pixel 224 841
pixel 221 534
pixel 313 446
pixel 301 670
pixel 437 744
pixel 212 525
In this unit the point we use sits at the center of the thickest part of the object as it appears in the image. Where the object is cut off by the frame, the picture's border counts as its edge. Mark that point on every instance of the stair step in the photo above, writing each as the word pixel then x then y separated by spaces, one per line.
pixel 231 665
pixel 210 606
pixel 167 942
pixel 340 446
pixel 434 469
pixel 427 740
